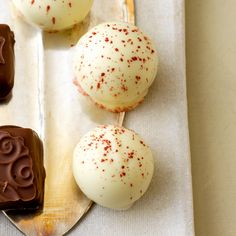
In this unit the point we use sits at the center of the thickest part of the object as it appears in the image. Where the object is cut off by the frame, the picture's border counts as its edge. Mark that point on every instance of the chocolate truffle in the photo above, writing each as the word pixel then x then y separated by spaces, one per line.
pixel 7 58
pixel 54 15
pixel 22 173
pixel 115 64
pixel 113 166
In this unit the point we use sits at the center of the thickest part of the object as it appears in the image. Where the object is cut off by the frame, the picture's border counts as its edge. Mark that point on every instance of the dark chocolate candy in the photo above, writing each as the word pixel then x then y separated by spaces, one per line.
pixel 7 60
pixel 22 173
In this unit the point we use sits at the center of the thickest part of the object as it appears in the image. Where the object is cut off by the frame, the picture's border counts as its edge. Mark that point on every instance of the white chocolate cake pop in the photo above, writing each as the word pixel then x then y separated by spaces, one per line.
pixel 115 64
pixel 54 15
pixel 113 166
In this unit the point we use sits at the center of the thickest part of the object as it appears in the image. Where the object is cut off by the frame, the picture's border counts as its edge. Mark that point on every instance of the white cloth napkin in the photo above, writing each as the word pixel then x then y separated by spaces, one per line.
pixel 166 209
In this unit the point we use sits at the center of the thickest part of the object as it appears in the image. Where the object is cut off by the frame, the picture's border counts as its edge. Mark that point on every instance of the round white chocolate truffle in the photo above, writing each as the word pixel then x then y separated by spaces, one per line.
pixel 54 15
pixel 113 166
pixel 115 64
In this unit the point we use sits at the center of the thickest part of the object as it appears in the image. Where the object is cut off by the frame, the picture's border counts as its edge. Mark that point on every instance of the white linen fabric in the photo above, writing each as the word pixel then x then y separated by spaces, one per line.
pixel 166 209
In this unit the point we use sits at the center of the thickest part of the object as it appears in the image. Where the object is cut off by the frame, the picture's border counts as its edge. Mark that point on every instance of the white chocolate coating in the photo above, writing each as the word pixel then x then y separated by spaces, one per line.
pixel 115 64
pixel 113 166
pixel 54 15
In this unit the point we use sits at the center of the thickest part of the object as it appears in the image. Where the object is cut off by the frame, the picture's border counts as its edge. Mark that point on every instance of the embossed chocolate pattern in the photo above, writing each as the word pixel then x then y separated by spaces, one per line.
pixel 2 42
pixel 16 175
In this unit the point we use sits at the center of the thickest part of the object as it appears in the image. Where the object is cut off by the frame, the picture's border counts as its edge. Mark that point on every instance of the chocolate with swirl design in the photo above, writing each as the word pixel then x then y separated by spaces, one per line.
pixel 22 173
pixel 7 58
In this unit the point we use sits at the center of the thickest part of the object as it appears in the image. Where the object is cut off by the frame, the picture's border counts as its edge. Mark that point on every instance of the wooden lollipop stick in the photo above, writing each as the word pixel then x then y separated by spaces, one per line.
pixel 121 118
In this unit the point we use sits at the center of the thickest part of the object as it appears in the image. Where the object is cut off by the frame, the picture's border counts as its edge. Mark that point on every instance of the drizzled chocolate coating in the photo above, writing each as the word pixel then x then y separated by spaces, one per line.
pixel 22 173
pixel 7 59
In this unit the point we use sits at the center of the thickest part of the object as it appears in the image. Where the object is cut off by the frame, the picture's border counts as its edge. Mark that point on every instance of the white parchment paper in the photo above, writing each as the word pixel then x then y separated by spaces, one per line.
pixel 166 209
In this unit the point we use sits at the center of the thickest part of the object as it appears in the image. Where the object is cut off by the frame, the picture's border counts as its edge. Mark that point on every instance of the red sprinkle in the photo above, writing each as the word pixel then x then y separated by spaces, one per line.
pixel 54 20
pixel 142 143
pixel 122 174
pixel 48 8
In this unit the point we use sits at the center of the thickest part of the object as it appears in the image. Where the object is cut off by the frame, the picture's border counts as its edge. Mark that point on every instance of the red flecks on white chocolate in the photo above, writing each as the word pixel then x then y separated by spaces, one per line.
pixel 112 155
pixel 121 62
pixel 54 15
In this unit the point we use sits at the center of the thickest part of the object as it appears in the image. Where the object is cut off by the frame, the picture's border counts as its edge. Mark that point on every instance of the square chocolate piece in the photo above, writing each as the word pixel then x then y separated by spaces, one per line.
pixel 7 61
pixel 22 173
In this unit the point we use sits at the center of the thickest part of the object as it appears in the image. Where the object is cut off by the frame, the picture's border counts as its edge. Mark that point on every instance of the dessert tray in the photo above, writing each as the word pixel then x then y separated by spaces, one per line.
pixel 45 100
